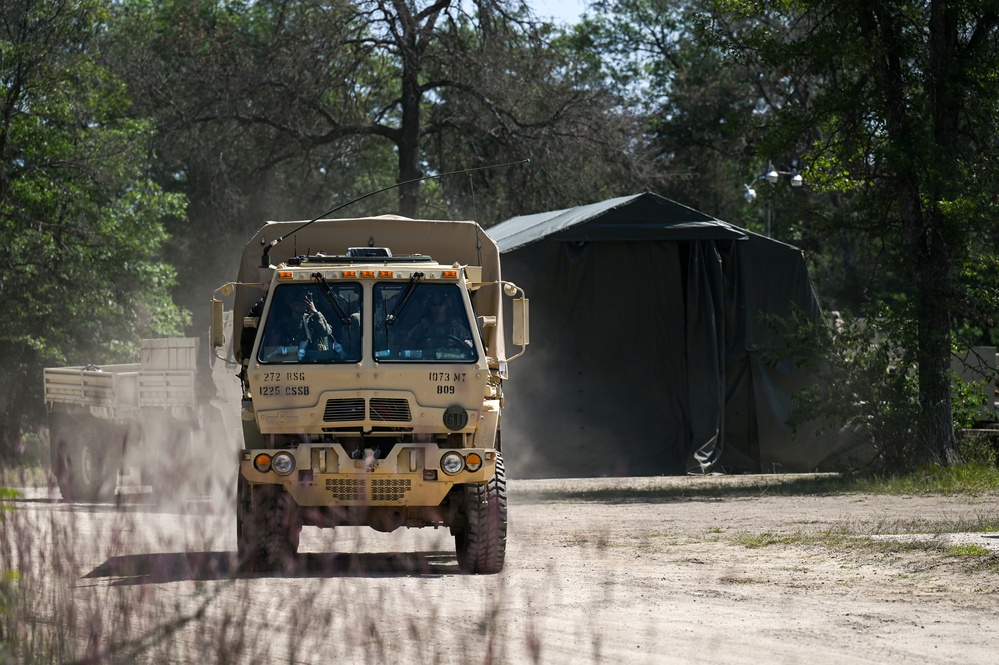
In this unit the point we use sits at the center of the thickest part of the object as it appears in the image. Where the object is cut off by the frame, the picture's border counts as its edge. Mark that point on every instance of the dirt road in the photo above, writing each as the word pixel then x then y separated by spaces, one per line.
pixel 677 570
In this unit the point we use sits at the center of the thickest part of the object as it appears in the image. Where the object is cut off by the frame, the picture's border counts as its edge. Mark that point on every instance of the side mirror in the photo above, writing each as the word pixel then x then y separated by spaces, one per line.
pixel 217 333
pixel 521 332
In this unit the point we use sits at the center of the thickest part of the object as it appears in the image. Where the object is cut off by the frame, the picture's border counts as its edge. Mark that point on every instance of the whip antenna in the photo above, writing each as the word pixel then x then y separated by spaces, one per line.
pixel 265 259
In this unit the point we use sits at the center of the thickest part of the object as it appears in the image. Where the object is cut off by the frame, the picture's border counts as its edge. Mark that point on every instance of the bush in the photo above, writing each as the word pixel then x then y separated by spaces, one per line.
pixel 866 380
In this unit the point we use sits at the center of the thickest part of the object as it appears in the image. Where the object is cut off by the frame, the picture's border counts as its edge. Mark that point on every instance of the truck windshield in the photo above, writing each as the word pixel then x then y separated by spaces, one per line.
pixel 305 326
pixel 433 326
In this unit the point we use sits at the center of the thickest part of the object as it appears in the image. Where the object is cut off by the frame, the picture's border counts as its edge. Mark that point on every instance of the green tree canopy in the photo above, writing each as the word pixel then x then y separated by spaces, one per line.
pixel 81 223
pixel 903 115
pixel 282 109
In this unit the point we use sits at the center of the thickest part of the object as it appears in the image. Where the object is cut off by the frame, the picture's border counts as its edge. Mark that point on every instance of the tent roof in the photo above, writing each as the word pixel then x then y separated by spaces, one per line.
pixel 645 216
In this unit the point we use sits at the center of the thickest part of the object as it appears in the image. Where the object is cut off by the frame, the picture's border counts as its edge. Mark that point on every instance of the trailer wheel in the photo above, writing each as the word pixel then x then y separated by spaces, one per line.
pixel 85 459
pixel 481 542
pixel 268 527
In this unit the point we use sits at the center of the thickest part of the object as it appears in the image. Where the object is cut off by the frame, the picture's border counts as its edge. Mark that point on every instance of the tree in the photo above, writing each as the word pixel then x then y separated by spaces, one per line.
pixel 280 109
pixel 81 224
pixel 700 107
pixel 514 89
pixel 692 104
pixel 257 87
pixel 906 106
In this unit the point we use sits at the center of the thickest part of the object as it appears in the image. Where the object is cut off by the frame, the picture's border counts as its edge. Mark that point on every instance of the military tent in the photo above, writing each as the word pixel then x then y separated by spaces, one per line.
pixel 649 343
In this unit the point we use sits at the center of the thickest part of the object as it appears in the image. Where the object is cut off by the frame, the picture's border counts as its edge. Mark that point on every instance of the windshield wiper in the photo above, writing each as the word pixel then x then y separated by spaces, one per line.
pixel 331 297
pixel 404 298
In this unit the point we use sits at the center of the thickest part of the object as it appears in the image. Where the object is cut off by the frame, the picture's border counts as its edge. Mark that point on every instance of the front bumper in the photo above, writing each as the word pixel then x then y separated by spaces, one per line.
pixel 409 475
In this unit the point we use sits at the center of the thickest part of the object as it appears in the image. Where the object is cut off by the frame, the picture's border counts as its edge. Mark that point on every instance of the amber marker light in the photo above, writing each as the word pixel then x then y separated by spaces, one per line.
pixel 367 273
pixel 385 273
pixel 473 462
pixel 284 274
pixel 449 273
pixel 350 273
pixel 262 462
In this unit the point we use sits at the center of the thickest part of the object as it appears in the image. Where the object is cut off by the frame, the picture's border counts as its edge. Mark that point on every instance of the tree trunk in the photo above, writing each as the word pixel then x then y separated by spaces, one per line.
pixel 412 44
pixel 409 141
pixel 929 234
pixel 934 276
pixel 937 242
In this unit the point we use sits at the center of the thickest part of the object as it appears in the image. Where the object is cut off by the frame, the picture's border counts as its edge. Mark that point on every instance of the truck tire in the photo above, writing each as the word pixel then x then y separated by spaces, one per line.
pixel 85 459
pixel 268 527
pixel 481 543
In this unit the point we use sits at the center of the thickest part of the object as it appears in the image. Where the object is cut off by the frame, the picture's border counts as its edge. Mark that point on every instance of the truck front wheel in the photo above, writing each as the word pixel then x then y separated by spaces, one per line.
pixel 481 541
pixel 268 526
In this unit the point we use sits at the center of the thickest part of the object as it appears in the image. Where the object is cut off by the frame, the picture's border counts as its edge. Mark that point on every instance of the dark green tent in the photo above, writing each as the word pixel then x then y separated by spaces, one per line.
pixel 647 351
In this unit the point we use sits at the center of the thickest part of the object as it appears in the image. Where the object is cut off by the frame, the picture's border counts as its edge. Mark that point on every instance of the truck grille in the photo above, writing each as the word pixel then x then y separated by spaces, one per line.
pixel 390 489
pixel 339 410
pixel 383 409
pixel 386 409
pixel 348 489
pixel 356 489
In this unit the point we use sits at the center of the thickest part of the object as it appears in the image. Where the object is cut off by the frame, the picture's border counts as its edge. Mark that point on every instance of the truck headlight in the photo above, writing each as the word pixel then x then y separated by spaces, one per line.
pixel 452 463
pixel 283 463
pixel 473 462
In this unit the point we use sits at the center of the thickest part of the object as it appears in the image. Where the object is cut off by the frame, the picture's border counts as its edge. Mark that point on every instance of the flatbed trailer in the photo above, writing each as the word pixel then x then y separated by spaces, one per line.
pixel 137 425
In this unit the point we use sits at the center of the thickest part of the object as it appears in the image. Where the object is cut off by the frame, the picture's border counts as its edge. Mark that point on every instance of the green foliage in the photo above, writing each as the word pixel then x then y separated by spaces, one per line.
pixel 697 107
pixel 866 383
pixel 281 110
pixel 970 478
pixel 979 447
pixel 81 223
pixel 895 118
pixel 968 551
pixel 970 399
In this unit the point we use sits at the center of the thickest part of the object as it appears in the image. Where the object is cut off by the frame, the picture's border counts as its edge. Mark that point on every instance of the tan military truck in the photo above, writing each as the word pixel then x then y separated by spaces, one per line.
pixel 372 362
pixel 161 423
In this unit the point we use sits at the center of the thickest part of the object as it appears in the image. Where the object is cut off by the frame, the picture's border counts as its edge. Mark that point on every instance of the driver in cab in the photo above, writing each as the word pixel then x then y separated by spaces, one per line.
pixel 437 325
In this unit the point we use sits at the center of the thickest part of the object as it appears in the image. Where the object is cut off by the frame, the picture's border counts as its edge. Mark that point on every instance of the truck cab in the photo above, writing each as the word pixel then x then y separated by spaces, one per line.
pixel 372 392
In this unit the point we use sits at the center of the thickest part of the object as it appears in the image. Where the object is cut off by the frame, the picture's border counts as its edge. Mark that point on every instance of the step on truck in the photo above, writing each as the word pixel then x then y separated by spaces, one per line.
pixel 371 356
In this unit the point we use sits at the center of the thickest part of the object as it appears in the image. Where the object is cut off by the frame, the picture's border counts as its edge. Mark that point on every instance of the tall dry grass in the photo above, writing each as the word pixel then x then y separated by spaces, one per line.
pixel 154 580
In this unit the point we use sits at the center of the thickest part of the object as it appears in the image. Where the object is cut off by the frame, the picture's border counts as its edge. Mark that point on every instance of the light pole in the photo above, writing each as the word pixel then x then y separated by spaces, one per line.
pixel 772 176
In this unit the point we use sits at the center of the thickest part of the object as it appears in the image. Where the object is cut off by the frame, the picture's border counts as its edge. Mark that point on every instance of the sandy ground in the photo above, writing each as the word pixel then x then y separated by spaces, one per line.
pixel 677 570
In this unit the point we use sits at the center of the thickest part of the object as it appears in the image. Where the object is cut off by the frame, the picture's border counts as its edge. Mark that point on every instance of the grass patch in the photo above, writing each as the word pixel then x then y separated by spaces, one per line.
pixel 881 537
pixel 963 479
pixel 955 479
pixel 755 540
pixel 968 551
pixel 839 540
pixel 983 523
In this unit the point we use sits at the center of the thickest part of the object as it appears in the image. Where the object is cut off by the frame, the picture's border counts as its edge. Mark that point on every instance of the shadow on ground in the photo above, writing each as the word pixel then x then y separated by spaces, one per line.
pixel 206 566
